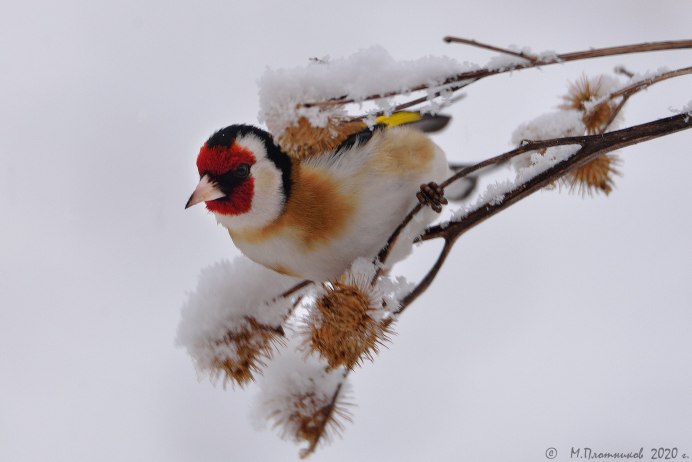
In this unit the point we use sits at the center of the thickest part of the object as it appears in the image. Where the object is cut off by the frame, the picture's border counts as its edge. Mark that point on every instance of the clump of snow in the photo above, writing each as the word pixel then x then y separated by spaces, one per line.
pixel 493 194
pixel 394 290
pixel 535 164
pixel 555 124
pixel 542 162
pixel 503 62
pixel 368 72
pixel 648 75
pixel 508 61
pixel 548 56
pixel 686 109
pixel 227 294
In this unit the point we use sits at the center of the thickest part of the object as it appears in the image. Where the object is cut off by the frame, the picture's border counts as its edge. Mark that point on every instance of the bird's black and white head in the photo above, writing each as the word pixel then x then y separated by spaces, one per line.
pixel 245 179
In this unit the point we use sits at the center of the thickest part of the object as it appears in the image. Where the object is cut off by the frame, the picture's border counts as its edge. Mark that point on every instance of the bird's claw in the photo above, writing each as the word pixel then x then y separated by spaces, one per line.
pixel 432 194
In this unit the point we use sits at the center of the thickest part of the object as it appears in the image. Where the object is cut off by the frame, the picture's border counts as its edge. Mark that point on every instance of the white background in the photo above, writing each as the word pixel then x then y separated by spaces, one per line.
pixel 565 321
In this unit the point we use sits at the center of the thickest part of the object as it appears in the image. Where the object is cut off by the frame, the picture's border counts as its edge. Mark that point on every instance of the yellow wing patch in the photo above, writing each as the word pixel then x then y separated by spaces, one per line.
pixel 399 118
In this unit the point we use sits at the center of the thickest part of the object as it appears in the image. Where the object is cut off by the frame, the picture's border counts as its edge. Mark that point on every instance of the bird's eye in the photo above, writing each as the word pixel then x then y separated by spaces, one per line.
pixel 242 171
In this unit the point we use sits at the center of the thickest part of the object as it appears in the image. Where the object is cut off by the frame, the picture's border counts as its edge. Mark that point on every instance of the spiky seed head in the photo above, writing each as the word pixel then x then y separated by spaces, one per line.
pixel 585 94
pixel 241 353
pixel 594 176
pixel 344 326
pixel 312 416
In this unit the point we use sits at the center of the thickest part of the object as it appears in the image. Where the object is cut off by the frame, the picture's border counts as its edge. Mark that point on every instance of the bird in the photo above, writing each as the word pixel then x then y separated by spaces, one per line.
pixel 311 215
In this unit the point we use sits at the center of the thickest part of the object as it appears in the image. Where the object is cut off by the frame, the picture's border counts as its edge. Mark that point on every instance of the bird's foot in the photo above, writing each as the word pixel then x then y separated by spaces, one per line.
pixel 432 194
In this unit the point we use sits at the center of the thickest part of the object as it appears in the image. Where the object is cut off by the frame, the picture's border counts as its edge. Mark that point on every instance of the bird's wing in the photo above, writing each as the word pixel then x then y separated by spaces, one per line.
pixel 304 140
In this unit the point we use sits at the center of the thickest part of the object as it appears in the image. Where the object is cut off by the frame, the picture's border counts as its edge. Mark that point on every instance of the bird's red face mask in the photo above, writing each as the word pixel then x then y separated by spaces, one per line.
pixel 225 183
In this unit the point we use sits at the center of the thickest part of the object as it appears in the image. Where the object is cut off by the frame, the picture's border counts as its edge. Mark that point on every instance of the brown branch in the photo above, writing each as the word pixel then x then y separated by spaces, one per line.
pixel 466 78
pixel 475 43
pixel 643 84
pixel 411 103
pixel 381 258
pixel 624 71
pixel 627 49
pixel 615 113
pixel 636 87
pixel 591 147
pixel 529 146
pixel 326 418
pixel 293 289
pixel 428 279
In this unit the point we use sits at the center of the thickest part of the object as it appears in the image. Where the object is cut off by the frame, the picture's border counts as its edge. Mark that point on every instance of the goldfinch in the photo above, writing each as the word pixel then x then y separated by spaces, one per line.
pixel 310 215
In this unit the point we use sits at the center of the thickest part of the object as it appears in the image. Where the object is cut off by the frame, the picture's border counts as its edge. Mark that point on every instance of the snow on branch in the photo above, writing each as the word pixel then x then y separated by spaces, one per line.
pixel 465 78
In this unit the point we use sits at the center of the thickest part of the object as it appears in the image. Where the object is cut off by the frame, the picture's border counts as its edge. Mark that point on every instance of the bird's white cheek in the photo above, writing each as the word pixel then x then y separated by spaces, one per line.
pixel 267 199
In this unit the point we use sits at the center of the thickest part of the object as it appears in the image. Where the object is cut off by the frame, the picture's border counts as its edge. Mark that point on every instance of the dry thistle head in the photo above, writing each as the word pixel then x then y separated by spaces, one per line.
pixel 241 353
pixel 344 326
pixel 303 400
pixel 304 140
pixel 594 176
pixel 313 417
pixel 586 95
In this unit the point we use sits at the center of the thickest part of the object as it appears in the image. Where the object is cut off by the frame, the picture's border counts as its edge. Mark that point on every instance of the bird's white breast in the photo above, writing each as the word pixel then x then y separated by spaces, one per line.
pixel 346 205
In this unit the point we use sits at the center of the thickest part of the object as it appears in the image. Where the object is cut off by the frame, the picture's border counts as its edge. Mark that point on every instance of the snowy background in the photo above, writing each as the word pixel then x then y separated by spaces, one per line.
pixel 565 321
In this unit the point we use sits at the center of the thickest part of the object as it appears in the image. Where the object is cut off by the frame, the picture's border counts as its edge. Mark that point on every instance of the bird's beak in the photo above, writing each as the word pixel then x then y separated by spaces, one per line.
pixel 206 191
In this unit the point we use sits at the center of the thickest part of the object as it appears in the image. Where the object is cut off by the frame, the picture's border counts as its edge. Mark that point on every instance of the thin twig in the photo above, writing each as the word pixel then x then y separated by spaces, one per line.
pixel 381 258
pixel 636 87
pixel 526 147
pixel 627 49
pixel 327 412
pixel 294 289
pixel 591 146
pixel 624 71
pixel 615 113
pixel 475 43
pixel 428 279
pixel 288 293
pixel 414 102
pixel 478 74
